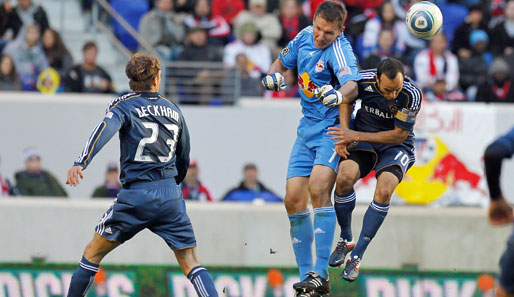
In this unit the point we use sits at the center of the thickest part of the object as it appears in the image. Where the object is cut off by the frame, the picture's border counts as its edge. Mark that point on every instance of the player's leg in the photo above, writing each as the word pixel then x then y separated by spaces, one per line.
pixel 197 274
pixel 94 252
pixel 296 203
pixel 506 274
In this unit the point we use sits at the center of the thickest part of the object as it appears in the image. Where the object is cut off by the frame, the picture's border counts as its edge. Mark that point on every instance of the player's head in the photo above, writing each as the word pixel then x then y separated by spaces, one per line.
pixel 328 23
pixel 390 76
pixel 144 72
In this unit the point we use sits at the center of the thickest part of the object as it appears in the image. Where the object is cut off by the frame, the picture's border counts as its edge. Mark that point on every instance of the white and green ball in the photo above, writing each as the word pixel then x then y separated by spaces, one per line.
pixel 424 19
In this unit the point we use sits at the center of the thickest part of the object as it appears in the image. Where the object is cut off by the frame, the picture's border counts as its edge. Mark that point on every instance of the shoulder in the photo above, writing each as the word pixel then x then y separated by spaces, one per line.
pixel 413 93
pixel 306 32
pixel 368 76
pixel 115 102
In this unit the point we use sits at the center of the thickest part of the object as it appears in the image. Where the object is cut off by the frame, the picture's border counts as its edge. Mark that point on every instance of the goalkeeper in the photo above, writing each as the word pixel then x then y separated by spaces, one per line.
pixel 327 71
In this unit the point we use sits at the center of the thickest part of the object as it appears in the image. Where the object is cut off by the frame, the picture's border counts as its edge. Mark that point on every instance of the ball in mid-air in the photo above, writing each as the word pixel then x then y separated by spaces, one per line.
pixel 424 19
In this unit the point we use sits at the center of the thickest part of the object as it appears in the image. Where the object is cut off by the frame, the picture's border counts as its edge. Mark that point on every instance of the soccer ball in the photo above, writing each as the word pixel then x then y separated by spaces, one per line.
pixel 424 19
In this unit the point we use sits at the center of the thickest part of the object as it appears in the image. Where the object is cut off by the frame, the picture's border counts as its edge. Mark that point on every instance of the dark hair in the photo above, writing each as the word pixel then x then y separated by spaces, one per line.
pixel 141 70
pixel 13 75
pixel 390 67
pixel 332 11
pixel 88 45
pixel 381 11
pixel 249 166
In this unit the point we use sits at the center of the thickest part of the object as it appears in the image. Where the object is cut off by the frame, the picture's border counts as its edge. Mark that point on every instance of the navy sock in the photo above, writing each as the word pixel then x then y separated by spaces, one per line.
pixel 202 281
pixel 82 278
pixel 344 205
pixel 324 227
pixel 302 237
pixel 373 219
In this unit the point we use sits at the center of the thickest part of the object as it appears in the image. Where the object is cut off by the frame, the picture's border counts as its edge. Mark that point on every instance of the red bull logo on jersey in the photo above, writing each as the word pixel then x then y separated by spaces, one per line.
pixel 306 85
pixel 320 66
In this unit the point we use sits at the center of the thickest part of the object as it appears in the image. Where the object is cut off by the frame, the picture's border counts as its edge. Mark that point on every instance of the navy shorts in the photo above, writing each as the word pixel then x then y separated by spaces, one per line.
pixel 383 156
pixel 506 275
pixel 157 206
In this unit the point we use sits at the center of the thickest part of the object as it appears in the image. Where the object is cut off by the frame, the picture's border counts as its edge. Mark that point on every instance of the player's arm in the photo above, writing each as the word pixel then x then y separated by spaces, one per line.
pixel 500 212
pixel 287 59
pixel 102 133
pixel 346 136
pixel 182 153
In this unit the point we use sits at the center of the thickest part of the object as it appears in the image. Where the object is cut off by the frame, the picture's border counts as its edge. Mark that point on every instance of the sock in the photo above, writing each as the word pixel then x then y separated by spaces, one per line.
pixel 82 278
pixel 373 218
pixel 344 205
pixel 202 281
pixel 302 237
pixel 324 227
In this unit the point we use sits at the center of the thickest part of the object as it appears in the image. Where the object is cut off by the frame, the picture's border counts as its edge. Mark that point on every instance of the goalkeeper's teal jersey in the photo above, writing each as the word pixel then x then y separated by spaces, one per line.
pixel 334 65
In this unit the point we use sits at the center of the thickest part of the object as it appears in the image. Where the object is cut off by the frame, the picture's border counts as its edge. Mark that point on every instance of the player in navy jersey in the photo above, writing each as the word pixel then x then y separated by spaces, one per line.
pixel 382 139
pixel 500 212
pixel 154 144
pixel 322 56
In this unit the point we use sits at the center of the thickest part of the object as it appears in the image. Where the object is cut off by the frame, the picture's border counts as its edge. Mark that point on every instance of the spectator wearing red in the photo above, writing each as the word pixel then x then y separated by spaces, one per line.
pixel 438 92
pixel 228 9
pixel 499 87
pixel 292 20
pixel 216 26
pixel 192 188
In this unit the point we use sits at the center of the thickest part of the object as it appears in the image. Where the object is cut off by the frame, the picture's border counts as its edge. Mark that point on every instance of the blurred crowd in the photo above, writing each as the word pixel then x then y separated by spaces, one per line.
pixel 36 181
pixel 472 59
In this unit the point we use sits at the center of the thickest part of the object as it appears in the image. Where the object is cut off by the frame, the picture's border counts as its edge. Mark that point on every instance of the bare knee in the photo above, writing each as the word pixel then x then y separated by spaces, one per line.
pixel 186 259
pixel 344 182
pixel 295 203
pixel 383 195
pixel 320 193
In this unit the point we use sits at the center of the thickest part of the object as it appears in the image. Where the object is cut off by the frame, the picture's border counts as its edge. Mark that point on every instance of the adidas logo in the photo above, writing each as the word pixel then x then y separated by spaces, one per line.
pixel 369 89
pixel 108 230
pixel 296 241
pixel 319 231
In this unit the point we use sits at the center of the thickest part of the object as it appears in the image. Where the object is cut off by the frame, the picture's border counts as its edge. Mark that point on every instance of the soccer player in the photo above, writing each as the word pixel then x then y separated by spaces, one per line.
pixel 154 143
pixel 500 212
pixel 322 56
pixel 382 140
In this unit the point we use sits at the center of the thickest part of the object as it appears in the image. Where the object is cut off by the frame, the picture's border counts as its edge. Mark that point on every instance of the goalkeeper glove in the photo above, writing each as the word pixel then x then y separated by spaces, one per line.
pixel 329 96
pixel 274 82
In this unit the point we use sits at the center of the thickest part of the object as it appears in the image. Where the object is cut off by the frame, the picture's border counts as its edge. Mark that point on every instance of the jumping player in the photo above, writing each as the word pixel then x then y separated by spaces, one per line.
pixel 154 143
pixel 382 140
pixel 322 55
pixel 500 212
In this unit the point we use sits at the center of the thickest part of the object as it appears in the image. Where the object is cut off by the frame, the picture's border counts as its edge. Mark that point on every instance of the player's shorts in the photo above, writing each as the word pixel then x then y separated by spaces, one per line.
pixel 157 206
pixel 506 275
pixel 312 147
pixel 371 156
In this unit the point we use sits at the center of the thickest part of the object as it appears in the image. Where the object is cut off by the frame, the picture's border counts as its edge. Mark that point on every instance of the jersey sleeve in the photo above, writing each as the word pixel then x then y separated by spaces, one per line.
pixel 102 133
pixel 405 117
pixel 289 54
pixel 343 62
pixel 182 153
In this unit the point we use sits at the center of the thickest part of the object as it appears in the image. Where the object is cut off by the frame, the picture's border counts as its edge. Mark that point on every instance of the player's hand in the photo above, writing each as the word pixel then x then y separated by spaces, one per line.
pixel 329 96
pixel 274 82
pixel 342 135
pixel 342 150
pixel 73 176
pixel 500 212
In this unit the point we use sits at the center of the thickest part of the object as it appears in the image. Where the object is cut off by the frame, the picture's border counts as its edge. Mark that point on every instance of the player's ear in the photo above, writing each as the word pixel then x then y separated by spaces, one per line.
pixel 342 29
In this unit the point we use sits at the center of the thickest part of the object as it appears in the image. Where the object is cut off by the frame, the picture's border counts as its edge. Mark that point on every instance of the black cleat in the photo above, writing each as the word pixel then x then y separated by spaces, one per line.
pixel 308 294
pixel 351 270
pixel 339 254
pixel 313 284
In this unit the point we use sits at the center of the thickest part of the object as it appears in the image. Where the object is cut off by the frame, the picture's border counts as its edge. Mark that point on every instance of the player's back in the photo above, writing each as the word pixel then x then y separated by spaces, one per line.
pixel 152 127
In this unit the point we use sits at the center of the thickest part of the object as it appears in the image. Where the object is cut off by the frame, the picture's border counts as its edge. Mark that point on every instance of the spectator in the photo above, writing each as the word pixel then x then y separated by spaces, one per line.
pixel 28 56
pixel 386 19
pixel 475 21
pixel 250 189
pixel 250 86
pixel 435 63
pixel 56 53
pixel 267 23
pixel 258 54
pixel 164 29
pixel 385 48
pixel 228 9
pixel 498 88
pixel 192 187
pixel 34 181
pixel 502 35
pixel 438 92
pixel 184 6
pixel 88 77
pixel 6 189
pixel 111 186
pixel 473 69
pixel 198 48
pixel 5 9
pixel 9 80
pixel 292 20
pixel 27 13
pixel 216 26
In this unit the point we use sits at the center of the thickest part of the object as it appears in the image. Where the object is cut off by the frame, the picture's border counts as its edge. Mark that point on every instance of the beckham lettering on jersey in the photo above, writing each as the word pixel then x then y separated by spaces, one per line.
pixel 157 110
pixel 378 112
